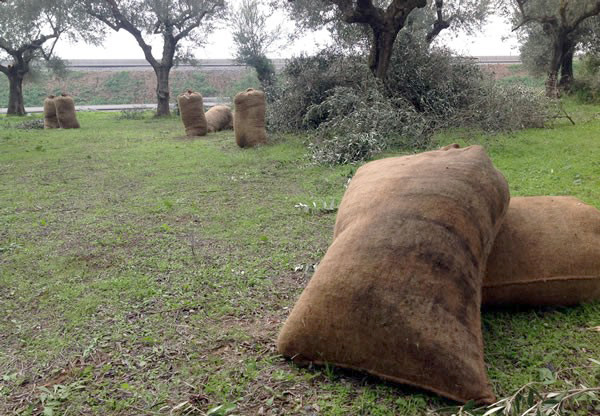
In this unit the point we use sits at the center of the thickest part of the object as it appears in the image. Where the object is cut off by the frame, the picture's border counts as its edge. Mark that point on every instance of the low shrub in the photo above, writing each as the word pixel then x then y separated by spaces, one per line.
pixel 360 123
pixel 454 92
pixel 132 114
pixel 307 81
pixel 499 107
pixel 350 116
pixel 586 87
pixel 35 124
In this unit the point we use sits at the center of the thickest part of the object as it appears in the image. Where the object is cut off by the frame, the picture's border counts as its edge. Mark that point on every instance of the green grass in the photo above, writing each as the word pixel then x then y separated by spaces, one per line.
pixel 520 76
pixel 142 272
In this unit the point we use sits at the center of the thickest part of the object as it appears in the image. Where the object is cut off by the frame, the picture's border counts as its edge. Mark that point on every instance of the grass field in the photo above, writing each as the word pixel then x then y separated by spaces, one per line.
pixel 145 273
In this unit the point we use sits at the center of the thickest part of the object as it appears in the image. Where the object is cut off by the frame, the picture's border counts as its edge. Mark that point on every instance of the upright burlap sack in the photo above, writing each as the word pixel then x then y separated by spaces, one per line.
pixel 65 112
pixel 50 119
pixel 398 292
pixel 191 107
pixel 219 118
pixel 547 253
pixel 249 120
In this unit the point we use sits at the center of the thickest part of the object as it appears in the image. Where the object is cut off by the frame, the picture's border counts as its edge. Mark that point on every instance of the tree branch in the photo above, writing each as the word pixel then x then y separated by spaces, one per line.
pixel 184 32
pixel 595 10
pixel 364 12
pixel 48 55
pixel 398 10
pixel 103 19
pixel 440 24
pixel 123 23
pixel 552 20
pixel 36 44
pixel 6 46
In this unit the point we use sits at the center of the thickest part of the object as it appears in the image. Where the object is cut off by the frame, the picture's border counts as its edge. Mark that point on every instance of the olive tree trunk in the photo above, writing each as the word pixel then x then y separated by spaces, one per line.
pixel 566 70
pixel 162 90
pixel 385 23
pixel 381 52
pixel 556 55
pixel 15 74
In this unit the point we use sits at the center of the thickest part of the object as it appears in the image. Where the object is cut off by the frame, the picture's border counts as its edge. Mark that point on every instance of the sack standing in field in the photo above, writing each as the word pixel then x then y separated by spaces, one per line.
pixel 219 118
pixel 50 119
pixel 65 112
pixel 546 254
pixel 398 293
pixel 191 107
pixel 249 120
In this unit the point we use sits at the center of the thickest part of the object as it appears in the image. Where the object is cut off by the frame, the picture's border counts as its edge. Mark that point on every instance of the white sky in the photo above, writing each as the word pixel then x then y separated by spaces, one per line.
pixel 496 39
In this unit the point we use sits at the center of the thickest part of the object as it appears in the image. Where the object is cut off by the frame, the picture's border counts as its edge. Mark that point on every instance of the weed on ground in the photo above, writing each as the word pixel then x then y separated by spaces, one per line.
pixel 143 272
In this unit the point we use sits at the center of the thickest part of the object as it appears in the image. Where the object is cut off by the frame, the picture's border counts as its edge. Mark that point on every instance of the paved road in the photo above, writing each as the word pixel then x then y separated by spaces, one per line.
pixel 208 102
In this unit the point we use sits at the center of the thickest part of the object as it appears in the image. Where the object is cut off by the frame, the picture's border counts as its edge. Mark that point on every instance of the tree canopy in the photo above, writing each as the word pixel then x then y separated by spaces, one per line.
pixel 377 23
pixel 560 25
pixel 29 30
pixel 254 38
pixel 176 23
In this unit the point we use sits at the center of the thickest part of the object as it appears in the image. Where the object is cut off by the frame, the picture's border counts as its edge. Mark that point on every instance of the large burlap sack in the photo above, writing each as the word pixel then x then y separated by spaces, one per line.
pixel 50 119
pixel 219 118
pixel 398 292
pixel 191 107
pixel 547 253
pixel 65 112
pixel 249 120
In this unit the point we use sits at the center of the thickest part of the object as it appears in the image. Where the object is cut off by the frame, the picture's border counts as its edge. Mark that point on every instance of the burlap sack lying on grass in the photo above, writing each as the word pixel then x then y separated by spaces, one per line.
pixel 398 292
pixel 219 118
pixel 50 119
pixel 191 107
pixel 547 253
pixel 65 112
pixel 249 120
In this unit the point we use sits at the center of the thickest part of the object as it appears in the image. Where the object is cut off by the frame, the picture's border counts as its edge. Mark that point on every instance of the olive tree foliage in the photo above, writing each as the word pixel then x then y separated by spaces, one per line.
pixel 375 24
pixel 254 35
pixel 467 16
pixel 176 23
pixel 536 44
pixel 382 19
pixel 29 31
pixel 556 27
pixel 590 36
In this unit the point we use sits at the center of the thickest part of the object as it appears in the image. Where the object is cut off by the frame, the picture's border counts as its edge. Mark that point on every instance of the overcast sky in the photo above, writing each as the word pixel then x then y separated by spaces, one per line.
pixel 496 39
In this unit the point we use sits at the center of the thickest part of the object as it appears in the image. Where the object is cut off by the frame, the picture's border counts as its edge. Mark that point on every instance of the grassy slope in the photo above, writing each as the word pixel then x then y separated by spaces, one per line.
pixel 127 87
pixel 140 270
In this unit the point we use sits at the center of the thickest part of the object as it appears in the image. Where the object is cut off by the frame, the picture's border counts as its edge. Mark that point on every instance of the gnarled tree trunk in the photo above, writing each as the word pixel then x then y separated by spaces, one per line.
pixel 381 52
pixel 566 70
pixel 554 67
pixel 385 23
pixel 16 105
pixel 162 90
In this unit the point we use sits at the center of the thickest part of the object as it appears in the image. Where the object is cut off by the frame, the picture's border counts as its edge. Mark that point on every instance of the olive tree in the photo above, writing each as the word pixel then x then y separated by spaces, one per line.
pixel 172 22
pixel 536 46
pixel 467 16
pixel 561 23
pixel 254 36
pixel 382 21
pixel 29 31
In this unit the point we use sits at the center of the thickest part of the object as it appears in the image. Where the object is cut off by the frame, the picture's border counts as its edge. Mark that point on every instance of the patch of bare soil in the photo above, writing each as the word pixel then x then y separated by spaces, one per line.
pixel 500 71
